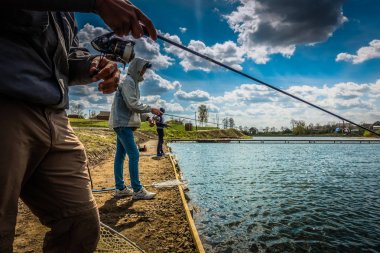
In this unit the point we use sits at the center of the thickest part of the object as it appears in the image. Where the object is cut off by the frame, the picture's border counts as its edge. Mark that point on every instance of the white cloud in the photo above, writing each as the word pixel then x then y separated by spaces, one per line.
pixel 267 27
pixel 183 29
pixel 150 50
pixel 88 33
pixel 172 107
pixel 246 93
pixel 90 98
pixel 196 95
pixel 212 108
pixel 228 53
pixel 154 84
pixel 256 105
pixel 363 54
pixel 158 102
pixel 375 90
pixel 154 99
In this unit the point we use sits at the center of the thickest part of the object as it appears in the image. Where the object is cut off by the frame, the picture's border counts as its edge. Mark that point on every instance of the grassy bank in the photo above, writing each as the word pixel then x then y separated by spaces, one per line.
pixel 369 134
pixel 88 123
pixel 175 131
pixel 99 144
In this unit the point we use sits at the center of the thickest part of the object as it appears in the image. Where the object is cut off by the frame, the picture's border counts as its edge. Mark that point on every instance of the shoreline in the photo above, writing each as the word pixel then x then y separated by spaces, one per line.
pixel 185 201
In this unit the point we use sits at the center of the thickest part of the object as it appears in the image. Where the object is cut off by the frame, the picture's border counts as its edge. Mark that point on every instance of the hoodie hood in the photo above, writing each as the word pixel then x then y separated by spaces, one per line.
pixel 135 67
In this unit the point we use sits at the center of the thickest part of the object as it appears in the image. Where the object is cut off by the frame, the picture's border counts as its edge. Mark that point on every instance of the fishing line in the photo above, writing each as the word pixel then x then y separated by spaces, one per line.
pixel 259 81
pixel 172 115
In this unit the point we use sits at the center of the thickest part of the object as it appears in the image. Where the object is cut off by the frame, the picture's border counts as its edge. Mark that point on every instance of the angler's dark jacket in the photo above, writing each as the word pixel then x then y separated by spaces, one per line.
pixel 160 122
pixel 39 51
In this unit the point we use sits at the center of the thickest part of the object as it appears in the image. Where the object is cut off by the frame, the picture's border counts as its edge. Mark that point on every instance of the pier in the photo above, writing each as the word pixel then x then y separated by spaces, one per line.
pixel 283 141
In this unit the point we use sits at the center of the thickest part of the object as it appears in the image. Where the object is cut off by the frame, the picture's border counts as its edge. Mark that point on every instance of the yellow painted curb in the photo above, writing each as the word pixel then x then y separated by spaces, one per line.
pixel 193 229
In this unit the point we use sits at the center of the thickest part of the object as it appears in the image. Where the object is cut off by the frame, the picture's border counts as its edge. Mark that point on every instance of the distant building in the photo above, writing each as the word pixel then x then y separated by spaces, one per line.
pixel 369 126
pixel 376 126
pixel 75 116
pixel 103 115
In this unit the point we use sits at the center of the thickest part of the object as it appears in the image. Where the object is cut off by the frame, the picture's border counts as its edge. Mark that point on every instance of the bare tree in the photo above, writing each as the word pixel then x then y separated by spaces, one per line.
pixel 202 114
pixel 225 123
pixel 252 130
pixel 92 115
pixel 232 123
pixel 77 109
pixel 293 123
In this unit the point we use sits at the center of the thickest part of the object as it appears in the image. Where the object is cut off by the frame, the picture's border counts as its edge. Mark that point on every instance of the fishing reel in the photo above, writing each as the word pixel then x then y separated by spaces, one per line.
pixel 114 48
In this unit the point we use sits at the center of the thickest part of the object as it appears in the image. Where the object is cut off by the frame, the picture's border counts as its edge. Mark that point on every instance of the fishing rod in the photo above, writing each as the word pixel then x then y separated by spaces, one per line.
pixel 172 115
pixel 161 37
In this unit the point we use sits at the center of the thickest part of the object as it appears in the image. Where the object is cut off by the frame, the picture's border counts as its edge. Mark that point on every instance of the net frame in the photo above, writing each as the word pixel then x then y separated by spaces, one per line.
pixel 112 241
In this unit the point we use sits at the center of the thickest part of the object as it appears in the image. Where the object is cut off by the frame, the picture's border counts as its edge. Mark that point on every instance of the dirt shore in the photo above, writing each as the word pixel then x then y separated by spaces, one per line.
pixel 157 225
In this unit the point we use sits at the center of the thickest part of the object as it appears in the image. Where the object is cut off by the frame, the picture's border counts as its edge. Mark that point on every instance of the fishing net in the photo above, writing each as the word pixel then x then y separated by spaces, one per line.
pixel 112 241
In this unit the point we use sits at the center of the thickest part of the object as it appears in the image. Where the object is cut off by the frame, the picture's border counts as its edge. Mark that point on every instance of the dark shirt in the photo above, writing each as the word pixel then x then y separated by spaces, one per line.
pixel 39 53
pixel 160 122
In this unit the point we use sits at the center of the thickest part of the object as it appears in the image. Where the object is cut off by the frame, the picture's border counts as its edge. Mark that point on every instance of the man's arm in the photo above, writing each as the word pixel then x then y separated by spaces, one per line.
pixel 79 62
pixel 120 15
pixel 128 89
pixel 51 5
pixel 85 68
pixel 145 117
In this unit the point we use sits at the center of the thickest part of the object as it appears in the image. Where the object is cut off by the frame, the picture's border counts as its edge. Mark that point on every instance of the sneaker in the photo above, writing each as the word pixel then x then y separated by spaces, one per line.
pixel 124 192
pixel 143 194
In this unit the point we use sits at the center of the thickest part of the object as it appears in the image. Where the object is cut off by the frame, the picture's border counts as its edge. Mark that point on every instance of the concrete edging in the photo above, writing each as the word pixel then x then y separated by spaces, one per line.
pixel 193 229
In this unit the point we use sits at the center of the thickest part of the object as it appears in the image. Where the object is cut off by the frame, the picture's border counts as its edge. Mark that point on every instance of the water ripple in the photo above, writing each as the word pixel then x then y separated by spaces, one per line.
pixel 284 198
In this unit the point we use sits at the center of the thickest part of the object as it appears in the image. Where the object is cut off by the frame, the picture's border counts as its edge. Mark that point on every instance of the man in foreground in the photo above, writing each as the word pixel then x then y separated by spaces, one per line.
pixel 41 160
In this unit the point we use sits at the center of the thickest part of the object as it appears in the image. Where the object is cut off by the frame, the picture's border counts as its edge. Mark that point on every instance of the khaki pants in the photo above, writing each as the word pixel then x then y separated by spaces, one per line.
pixel 44 163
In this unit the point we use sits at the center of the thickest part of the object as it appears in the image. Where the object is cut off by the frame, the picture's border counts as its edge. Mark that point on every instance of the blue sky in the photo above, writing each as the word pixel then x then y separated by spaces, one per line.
pixel 327 52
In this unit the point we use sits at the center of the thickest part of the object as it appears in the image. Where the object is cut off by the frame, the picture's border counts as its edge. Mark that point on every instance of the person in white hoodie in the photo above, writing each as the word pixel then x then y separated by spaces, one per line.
pixel 126 115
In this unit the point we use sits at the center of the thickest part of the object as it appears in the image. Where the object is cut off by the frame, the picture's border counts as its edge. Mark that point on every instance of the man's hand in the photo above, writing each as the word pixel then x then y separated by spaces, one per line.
pixel 106 70
pixel 123 17
pixel 155 111
pixel 151 122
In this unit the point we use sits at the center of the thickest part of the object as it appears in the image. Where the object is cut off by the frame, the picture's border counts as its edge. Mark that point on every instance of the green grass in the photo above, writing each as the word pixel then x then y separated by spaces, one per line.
pixel 175 131
pixel 369 134
pixel 99 143
pixel 88 123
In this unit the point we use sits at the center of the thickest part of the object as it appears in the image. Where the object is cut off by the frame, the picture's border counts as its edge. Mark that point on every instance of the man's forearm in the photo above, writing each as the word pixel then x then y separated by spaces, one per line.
pixel 51 5
pixel 79 66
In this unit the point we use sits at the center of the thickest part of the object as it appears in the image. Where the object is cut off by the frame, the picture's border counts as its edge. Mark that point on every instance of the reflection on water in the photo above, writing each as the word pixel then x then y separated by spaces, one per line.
pixel 284 198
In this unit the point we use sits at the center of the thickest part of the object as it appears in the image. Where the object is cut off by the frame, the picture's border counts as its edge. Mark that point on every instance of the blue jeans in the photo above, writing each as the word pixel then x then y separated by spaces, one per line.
pixel 126 145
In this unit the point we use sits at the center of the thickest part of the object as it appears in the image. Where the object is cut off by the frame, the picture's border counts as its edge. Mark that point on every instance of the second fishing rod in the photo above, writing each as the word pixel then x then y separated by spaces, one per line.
pixel 163 38
pixel 123 52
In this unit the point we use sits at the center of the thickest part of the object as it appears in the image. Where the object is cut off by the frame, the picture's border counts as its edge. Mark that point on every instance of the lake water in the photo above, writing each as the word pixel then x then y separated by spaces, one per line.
pixel 284 197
